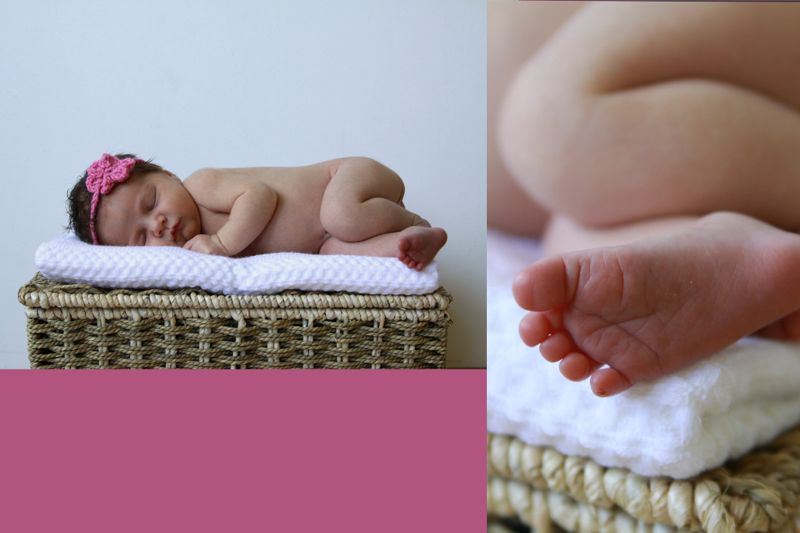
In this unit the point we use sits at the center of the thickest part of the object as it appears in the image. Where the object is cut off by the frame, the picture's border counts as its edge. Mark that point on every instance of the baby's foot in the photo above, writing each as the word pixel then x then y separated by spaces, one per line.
pixel 785 329
pixel 651 307
pixel 419 245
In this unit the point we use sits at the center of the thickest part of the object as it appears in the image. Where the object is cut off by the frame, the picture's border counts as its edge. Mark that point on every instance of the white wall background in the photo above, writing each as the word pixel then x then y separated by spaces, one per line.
pixel 246 83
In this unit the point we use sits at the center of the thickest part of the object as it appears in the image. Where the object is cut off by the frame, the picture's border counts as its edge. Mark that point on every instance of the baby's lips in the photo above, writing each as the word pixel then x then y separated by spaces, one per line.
pixel 173 231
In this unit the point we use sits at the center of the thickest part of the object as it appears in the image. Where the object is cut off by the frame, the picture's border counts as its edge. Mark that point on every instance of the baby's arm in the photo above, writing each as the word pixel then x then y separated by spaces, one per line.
pixel 249 203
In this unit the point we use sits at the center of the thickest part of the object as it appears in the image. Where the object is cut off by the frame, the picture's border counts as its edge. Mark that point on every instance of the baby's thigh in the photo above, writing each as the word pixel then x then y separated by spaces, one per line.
pixel 515 32
pixel 616 46
pixel 358 180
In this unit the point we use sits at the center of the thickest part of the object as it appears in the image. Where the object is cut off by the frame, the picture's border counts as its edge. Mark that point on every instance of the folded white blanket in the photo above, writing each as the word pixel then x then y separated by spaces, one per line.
pixel 68 259
pixel 685 423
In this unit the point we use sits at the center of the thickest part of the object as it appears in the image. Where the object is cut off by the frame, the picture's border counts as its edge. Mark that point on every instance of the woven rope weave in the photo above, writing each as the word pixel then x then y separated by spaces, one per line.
pixel 540 486
pixel 80 326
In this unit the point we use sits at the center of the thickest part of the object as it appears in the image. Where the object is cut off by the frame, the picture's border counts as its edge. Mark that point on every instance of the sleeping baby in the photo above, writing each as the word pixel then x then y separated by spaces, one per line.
pixel 350 206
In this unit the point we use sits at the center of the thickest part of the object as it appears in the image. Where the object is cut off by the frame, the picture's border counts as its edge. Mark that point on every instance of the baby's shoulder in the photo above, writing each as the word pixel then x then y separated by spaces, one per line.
pixel 218 180
pixel 204 182
pixel 204 175
pixel 208 177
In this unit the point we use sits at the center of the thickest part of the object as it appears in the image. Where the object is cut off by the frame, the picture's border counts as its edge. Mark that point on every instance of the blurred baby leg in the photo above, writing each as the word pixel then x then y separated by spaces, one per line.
pixel 515 31
pixel 639 110
pixel 563 235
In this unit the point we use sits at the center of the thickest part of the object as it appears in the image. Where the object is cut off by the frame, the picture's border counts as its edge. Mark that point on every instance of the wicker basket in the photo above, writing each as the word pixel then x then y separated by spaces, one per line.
pixel 541 487
pixel 80 326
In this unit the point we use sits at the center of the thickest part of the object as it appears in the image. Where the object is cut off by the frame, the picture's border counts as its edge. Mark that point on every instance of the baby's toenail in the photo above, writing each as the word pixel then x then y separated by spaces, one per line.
pixel 520 280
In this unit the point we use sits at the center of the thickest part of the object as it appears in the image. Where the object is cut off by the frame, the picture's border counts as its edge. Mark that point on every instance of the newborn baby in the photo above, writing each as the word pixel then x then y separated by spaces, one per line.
pixel 350 206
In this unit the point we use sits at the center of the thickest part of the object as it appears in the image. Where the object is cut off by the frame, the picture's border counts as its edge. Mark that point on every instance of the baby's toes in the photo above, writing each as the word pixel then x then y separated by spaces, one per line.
pixel 556 346
pixel 542 285
pixel 555 318
pixel 609 381
pixel 576 366
pixel 534 328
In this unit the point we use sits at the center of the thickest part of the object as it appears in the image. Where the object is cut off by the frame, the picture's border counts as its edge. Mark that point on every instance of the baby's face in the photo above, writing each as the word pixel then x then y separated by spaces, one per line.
pixel 152 209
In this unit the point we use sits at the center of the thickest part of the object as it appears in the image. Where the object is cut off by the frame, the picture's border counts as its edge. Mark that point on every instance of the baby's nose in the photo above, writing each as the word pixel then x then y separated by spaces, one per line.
pixel 158 226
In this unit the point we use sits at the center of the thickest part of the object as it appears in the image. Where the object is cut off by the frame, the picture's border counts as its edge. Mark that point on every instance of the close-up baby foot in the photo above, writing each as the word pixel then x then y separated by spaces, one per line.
pixel 651 307
pixel 418 245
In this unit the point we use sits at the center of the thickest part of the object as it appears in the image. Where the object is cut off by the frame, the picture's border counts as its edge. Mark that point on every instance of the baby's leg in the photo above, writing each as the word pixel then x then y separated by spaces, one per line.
pixel 362 208
pixel 638 110
pixel 415 246
pixel 515 30
pixel 364 199
pixel 658 304
pixel 564 235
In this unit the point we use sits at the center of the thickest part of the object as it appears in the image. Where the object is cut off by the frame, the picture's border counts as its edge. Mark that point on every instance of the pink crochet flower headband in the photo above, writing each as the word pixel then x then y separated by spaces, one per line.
pixel 101 176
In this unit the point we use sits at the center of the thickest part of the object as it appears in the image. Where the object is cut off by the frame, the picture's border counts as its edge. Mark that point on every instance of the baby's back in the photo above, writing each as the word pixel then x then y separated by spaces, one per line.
pixel 295 225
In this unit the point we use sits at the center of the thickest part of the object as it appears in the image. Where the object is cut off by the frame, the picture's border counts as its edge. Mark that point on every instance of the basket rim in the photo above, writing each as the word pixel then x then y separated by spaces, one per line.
pixel 41 292
pixel 762 482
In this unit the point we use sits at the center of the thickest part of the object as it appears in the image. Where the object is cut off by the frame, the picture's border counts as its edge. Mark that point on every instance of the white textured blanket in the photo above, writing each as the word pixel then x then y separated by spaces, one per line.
pixel 678 426
pixel 68 259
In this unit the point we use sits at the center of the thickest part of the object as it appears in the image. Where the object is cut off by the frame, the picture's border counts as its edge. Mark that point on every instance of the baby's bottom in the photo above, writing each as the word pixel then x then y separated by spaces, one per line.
pixel 362 210
pixel 681 290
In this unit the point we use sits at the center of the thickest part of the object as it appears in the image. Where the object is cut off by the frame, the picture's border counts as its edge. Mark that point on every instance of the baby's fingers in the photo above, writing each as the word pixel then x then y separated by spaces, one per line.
pixel 191 244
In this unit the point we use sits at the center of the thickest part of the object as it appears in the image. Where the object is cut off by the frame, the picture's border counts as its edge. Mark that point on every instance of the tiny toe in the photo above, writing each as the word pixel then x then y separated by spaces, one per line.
pixel 556 319
pixel 556 346
pixel 542 285
pixel 609 381
pixel 576 366
pixel 534 328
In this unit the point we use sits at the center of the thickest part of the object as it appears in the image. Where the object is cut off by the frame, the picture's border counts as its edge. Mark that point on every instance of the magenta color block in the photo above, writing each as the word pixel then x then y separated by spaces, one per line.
pixel 134 451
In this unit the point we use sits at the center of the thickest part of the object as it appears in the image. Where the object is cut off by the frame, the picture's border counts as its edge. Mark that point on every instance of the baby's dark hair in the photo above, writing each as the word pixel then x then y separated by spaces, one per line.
pixel 79 200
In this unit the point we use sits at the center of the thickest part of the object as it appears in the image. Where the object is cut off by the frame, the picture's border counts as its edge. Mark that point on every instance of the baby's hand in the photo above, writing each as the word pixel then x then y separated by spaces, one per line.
pixel 206 244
